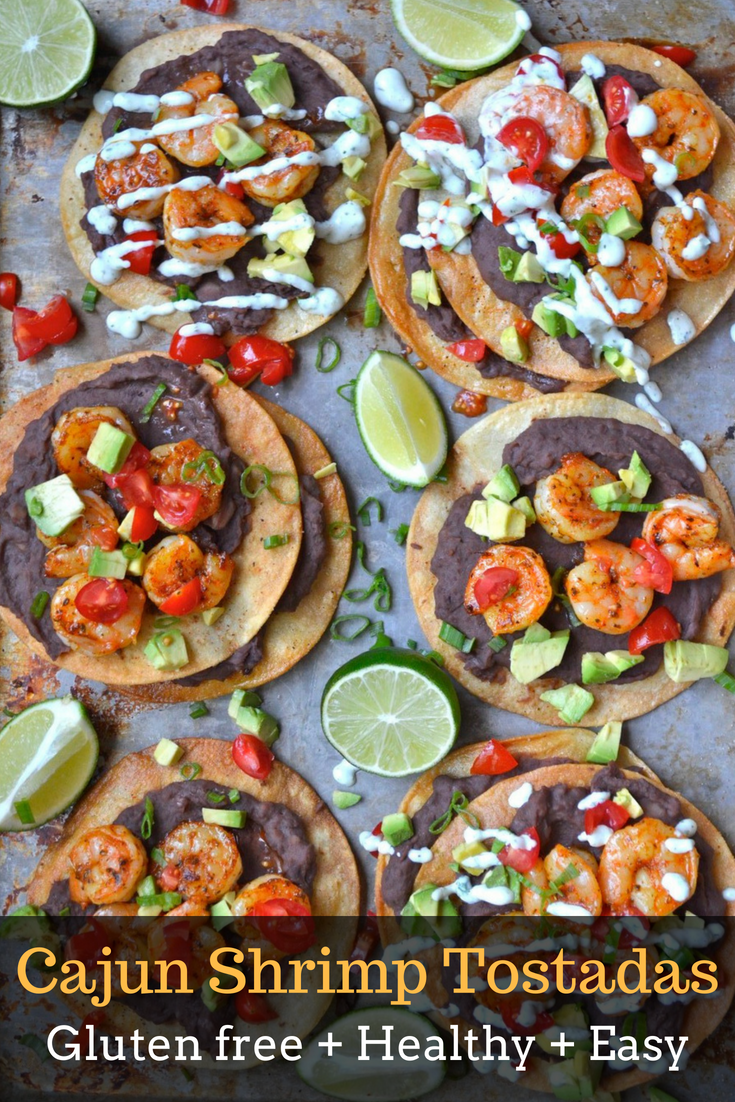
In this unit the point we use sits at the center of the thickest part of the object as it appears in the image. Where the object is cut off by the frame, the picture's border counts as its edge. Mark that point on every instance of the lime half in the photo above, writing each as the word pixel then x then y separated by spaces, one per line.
pixel 344 1075
pixel 48 754
pixel 46 50
pixel 391 712
pixel 400 420
pixel 461 34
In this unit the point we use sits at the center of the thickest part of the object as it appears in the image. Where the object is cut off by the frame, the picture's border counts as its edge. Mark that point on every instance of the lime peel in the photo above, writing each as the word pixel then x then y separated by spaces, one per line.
pixel 461 34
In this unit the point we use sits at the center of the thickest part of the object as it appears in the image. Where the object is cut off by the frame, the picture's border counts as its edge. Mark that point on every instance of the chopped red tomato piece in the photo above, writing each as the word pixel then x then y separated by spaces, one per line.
pixel 103 600
pixel 682 55
pixel 440 128
pixel 176 504
pixel 169 877
pixel 472 351
pixel 8 290
pixel 139 260
pixel 288 925
pixel 87 945
pixel 89 1021
pixel 523 327
pixel 623 155
pixel 194 349
pixel 253 1008
pixel 493 760
pixel 256 355
pixel 559 245
pixel 251 754
pixel 659 627
pixel 656 571
pixel 232 187
pixel 527 139
pixel 494 585
pixel 33 330
pixel 138 457
pixel 511 1008
pixel 619 98
pixel 607 814
pixel 144 524
pixel 135 489
pixel 522 860
pixel 25 342
pixel 184 600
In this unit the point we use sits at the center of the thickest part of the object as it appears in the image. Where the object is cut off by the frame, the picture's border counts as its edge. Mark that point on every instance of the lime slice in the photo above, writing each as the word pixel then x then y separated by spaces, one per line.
pixel 461 34
pixel 400 420
pixel 343 1075
pixel 390 712
pixel 48 753
pixel 46 50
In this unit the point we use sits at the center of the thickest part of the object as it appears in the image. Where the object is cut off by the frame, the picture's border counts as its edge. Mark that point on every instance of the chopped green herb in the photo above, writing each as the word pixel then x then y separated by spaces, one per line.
pixel 381 639
pixel 497 643
pixel 224 377
pixel 442 476
pixel 207 464
pixel 158 856
pixel 434 657
pixel 726 680
pixel 349 391
pixel 363 512
pixel 399 487
pixel 336 356
pixel 557 586
pixel 118 124
pixel 362 624
pixel 132 550
pixel 165 900
pixel 31 1041
pixel 38 604
pixel 266 483
pixel 89 298
pixel 163 622
pixel 275 541
pixel 372 315
pixel 443 80
pixel 457 806
pixel 631 507
pixel 338 529
pixel 198 710
pixel 399 534
pixel 380 586
pixel 190 769
pixel 412 644
pixel 147 410
pixel 183 292
pixel 455 638
pixel 24 812
pixel 548 227
pixel 146 824
pixel 233 795
pixel 216 797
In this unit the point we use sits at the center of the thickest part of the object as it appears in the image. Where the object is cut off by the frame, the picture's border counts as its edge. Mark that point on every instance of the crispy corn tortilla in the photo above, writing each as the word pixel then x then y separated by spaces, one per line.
pixel 260 576
pixel 475 302
pixel 341 266
pixel 288 636
pixel 476 456
pixel 336 888
pixel 701 1017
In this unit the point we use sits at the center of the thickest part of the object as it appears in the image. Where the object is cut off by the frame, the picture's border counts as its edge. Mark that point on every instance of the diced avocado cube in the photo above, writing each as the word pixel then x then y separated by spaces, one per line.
pixel 282 264
pixel 296 242
pixel 525 505
pixel 425 289
pixel 235 145
pixel 149 910
pixel 423 903
pixel 461 852
pixel 627 800
pixel 242 698
pixel 606 744
pixel 685 661
pixel 577 1079
pixel 584 92
pixel 168 752
pixel 503 485
pixel 597 668
pixel 608 493
pixel 418 176
pixel 353 167
pixel 443 916
pixel 221 911
pixel 622 223
pixel 571 701
pixel 136 565
pixel 551 321
pixel 636 477
pixel 343 800
pixel 254 721
pixel 397 828
pixel 513 346
pixel 54 505
pixel 166 650
pixel 537 633
pixel 620 364
pixel 357 197
pixel 211 999
pixel 270 86
pixel 107 564
pixel 125 526
pixel 224 817
pixel 109 448
pixel 544 1043
pixel 210 616
pixel 528 270
pixel 529 661
pixel 496 520
pixel 571 1015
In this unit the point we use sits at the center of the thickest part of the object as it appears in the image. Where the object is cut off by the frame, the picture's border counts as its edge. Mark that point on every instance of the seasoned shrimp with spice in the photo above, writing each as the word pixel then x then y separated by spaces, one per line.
pixel 698 247
pixel 74 432
pixel 685 531
pixel 206 109
pixel 564 505
pixel 686 135
pixel 648 869
pixel 206 226
pixel 147 168
pixel 106 864
pixel 187 462
pixel 292 181
pixel 595 197
pixel 70 552
pixel 567 876
pixel 603 590
pixel 202 861
pixel 103 636
pixel 510 586
pixel 178 570
pixel 564 120
pixel 252 902
pixel 634 291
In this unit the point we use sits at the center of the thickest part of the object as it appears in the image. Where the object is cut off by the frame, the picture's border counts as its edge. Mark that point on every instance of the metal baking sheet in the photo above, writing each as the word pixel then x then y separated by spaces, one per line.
pixel 690 741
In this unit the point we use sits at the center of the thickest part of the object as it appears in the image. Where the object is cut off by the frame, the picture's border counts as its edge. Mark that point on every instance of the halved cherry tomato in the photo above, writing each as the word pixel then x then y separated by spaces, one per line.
pixel 440 128
pixel 232 187
pixel 623 155
pixel 656 571
pixel 33 330
pixel 660 627
pixel 253 1008
pixel 494 585
pixel 139 260
pixel 169 878
pixel 511 1008
pixel 530 62
pixel 87 945
pixel 103 600
pixel 682 55
pixel 288 925
pixel 256 355
pixel 138 457
pixel 26 344
pixel 522 860
pixel 177 504
pixel 523 175
pixel 607 814
pixel 251 754
pixel 8 290
pixel 135 489
pixel 184 600
pixel 195 349
pixel 527 139
pixel 144 524
pixel 472 351
pixel 493 760
pixel 619 97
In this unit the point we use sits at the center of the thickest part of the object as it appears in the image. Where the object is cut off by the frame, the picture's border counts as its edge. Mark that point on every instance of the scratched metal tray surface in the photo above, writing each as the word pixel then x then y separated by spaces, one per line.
pixel 689 741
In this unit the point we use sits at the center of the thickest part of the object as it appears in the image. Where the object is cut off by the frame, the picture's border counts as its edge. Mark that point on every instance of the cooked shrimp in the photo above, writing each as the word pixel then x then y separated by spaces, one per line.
pixel 112 911
pixel 196 907
pixel 176 561
pixel 291 182
pixel 685 531
pixel 88 636
pixel 200 940
pixel 603 591
pixel 195 146
pixel 206 226
pixel 172 464
pixel 248 905
pixel 121 177
pixel 600 193
pixel 699 247
pixel 565 121
pixel 550 873
pixel 205 858
pixel 687 133
pixel 527 597
pixel 639 872
pixel 564 505
pixel 634 291
pixel 106 864
pixel 71 551
pixel 72 435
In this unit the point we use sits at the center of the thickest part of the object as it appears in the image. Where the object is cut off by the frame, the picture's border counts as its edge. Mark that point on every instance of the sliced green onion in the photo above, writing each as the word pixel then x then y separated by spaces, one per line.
pixel 412 644
pixel 163 622
pixel 216 797
pixel 24 813
pixel 338 529
pixel 206 464
pixel 381 639
pixel 497 643
pixel 396 487
pixel 324 472
pixel 571 872
pixel 363 511
pixel 399 534
pixel 220 160
pixel 267 484
pixel 557 586
pixel 275 541
pixel 224 377
pixel 158 856
pixel 31 1041
pixel 363 623
pixel 348 389
pixel 183 292
pixel 198 710
pixel 64 912
pixel 434 657
pixel 89 298
pixel 38 604
pixel 336 357
pixel 631 507
pixel 372 315
pixel 582 226
pixel 146 824
pixel 233 795
pixel 685 161
pixel 118 124
pixel 190 769
pixel 380 586
pixel 443 80
pixel 548 227
pixel 165 900
pixel 147 410
pixel 132 550
pixel 442 476
pixel 455 638
pixel 457 806
pixel 726 680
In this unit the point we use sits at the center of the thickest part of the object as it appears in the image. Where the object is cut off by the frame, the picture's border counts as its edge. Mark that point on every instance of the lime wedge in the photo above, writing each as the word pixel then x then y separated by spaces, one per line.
pixel 400 420
pixel 344 1075
pixel 46 50
pixel 48 753
pixel 390 712
pixel 461 34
